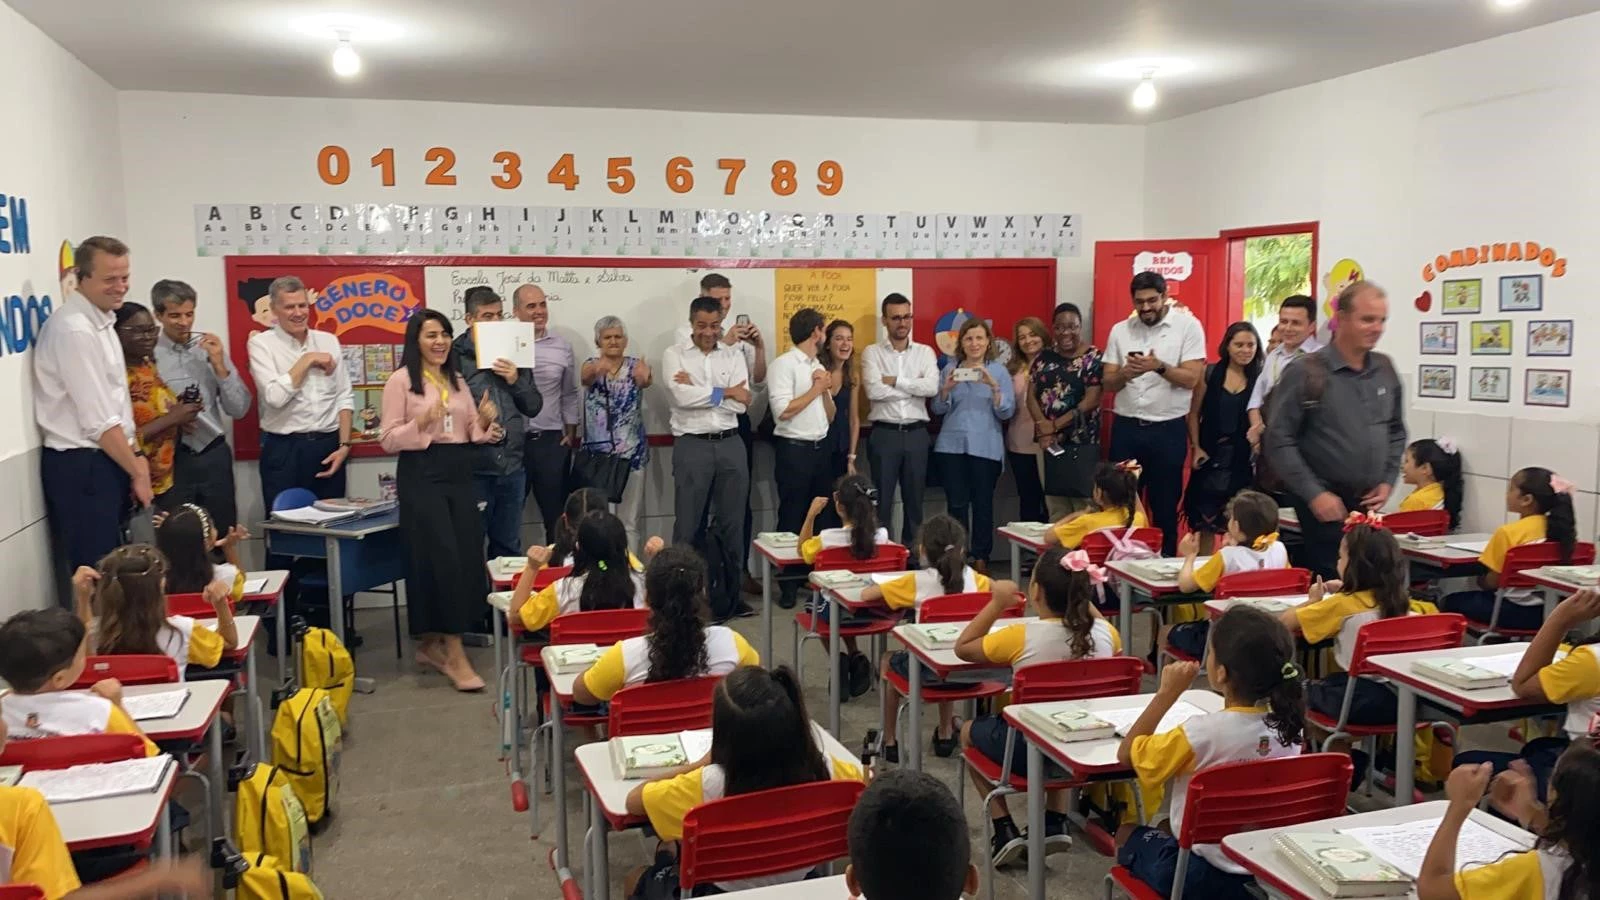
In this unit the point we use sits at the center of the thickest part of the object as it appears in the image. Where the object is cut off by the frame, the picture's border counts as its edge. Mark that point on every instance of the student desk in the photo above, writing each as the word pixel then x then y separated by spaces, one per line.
pixel 271 595
pixel 1083 759
pixel 197 720
pixel 1437 554
pixel 1288 520
pixel 849 598
pixel 815 889
pixel 1131 574
pixel 949 667
pixel 1556 588
pixel 118 821
pixel 362 554
pixel 502 581
pixel 1215 608
pixel 608 801
pixel 1020 539
pixel 1496 704
pixel 560 693
pixel 1255 851
pixel 255 723
pixel 773 556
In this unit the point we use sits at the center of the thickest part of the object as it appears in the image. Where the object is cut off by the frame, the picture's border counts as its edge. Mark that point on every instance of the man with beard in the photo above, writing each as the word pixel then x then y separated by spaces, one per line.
pixel 899 375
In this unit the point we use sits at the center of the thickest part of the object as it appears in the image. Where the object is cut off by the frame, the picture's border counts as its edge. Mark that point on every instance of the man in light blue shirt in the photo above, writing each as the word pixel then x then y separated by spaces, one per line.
pixel 196 367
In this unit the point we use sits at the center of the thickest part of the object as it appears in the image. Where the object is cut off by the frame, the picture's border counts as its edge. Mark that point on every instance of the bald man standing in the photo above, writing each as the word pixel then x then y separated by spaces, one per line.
pixel 546 455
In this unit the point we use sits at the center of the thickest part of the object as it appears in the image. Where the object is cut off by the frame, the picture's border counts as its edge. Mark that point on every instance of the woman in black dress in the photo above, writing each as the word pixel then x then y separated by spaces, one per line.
pixel 1217 432
pixel 838 356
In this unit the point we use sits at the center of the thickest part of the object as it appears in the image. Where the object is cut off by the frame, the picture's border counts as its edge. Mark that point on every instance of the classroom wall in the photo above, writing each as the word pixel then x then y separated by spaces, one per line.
pixel 183 149
pixel 59 153
pixel 1481 144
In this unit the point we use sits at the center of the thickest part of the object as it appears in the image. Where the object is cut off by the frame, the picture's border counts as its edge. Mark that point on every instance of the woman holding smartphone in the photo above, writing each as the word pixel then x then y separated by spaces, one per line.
pixel 1064 398
pixel 975 398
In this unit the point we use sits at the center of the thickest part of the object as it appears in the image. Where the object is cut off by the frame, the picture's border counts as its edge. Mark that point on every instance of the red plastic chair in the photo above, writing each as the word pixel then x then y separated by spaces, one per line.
pixel 195 606
pixel 1519 560
pixel 1258 583
pixel 133 668
pixel 813 626
pixel 662 706
pixel 766 832
pixel 1249 796
pixel 1098 543
pixel 74 750
pixel 541 580
pixel 1420 522
pixel 1078 679
pixel 21 892
pixel 963 607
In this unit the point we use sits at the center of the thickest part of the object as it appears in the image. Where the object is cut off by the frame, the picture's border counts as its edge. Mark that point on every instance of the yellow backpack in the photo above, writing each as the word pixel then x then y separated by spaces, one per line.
pixel 267 880
pixel 270 820
pixel 326 664
pixel 307 742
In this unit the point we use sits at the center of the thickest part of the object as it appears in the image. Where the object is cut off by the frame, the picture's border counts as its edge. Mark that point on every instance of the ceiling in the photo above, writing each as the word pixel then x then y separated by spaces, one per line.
pixel 1001 60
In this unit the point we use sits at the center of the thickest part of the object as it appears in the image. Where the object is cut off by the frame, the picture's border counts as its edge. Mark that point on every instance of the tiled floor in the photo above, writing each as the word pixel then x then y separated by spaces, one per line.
pixel 425 807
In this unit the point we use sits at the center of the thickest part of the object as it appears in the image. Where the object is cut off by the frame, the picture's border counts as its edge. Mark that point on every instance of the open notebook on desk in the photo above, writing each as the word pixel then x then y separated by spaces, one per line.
pixel 99 780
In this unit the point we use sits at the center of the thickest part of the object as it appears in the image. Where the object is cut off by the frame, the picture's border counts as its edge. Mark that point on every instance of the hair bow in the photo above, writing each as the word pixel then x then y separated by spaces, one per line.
pixel 1290 671
pixel 1560 485
pixel 1448 445
pixel 870 492
pixel 1264 541
pixel 1131 466
pixel 1369 519
pixel 1078 561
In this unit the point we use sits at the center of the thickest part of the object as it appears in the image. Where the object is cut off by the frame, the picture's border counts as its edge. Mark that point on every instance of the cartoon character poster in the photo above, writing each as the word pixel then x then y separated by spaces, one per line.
pixel 1344 273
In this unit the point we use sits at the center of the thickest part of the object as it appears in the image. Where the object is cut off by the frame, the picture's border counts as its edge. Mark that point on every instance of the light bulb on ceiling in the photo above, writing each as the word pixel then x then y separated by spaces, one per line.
pixel 1144 96
pixel 346 62
pixel 1509 4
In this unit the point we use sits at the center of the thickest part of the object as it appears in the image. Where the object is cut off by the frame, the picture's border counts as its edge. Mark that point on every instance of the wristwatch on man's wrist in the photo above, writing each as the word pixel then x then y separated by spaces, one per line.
pixel 1161 369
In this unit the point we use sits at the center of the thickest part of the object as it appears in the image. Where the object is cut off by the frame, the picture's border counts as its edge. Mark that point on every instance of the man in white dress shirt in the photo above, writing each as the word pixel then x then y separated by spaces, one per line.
pixel 709 386
pixel 1297 333
pixel 93 474
pixel 1152 363
pixel 900 375
pixel 800 395
pixel 306 399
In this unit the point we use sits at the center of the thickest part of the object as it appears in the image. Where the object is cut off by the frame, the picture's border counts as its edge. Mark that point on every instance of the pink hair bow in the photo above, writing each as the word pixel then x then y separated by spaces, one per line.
pixel 1448 445
pixel 1560 485
pixel 1078 561
pixel 1369 519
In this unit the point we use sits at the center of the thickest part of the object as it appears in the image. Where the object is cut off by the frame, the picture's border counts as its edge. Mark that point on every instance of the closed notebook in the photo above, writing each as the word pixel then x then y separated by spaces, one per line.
pixel 1031 529
pixel 566 659
pixel 1340 865
pixel 503 340
pixel 1459 673
pixel 10 775
pixel 1577 574
pixel 510 565
pixel 1068 724
pixel 836 578
pixel 937 636
pixel 649 756
pixel 779 538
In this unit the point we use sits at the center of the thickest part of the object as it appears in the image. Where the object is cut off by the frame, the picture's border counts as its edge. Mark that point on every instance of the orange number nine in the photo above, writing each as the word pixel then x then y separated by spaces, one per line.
pixel 830 178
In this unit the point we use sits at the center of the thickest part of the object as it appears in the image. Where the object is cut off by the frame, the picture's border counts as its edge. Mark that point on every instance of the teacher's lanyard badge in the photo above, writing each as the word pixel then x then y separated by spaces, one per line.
pixel 444 399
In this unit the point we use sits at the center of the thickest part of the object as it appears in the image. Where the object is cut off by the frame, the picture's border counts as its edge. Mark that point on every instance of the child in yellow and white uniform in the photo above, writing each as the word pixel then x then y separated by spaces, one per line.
pixel 855 501
pixel 42 653
pixel 1543 502
pixel 188 540
pixel 679 644
pixel 601 576
pixel 942 544
pixel 1116 506
pixel 1252 530
pixel 1251 663
pixel 130 587
pixel 1434 466
pixel 1069 627
pixel 1569 831
pixel 759 725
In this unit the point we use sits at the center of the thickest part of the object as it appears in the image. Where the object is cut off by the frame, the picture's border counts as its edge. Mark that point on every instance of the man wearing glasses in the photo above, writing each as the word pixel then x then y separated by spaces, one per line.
pixel 900 375
pixel 195 365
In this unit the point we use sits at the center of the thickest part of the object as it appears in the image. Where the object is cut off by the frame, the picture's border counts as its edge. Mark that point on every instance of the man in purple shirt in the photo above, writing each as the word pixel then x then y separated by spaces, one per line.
pixel 554 431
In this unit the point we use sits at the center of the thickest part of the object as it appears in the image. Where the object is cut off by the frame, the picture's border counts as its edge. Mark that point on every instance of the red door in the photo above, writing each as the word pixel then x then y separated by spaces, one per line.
pixel 1196 272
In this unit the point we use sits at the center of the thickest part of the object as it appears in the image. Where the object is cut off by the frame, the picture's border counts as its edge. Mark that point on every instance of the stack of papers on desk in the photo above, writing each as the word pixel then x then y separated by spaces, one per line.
pixel 837 578
pixel 158 705
pixel 361 506
pixel 1067 722
pixel 99 780
pixel 1123 719
pixel 1404 846
pixel 1340 865
pixel 310 515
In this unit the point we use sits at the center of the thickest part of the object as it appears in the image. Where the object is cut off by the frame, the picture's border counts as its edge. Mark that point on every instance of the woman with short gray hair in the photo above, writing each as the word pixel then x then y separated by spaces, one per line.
pixel 613 423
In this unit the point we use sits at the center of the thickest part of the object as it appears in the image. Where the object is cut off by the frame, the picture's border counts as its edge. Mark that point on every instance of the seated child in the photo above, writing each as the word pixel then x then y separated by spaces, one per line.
pixel 1543 501
pixel 761 738
pixel 908 841
pixel 34 853
pixel 131 593
pixel 601 577
pixel 1115 505
pixel 679 643
pixel 1559 867
pixel 188 540
pixel 1069 627
pixel 1251 664
pixel 1253 546
pixel 1434 466
pixel 580 503
pixel 942 545
pixel 856 502
pixel 42 652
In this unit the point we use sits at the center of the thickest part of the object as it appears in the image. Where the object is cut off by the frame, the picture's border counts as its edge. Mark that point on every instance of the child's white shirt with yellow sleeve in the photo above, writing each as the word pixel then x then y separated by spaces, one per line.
pixel 187 641
pixel 833 538
pixel 1072 533
pixel 628 661
pixel 1526 530
pixel 909 590
pixel 1339 616
pixel 1047 640
pixel 67 713
pixel 1230 559
pixel 565 595
pixel 231 576
pixel 1429 496
pixel 1575 681
pixel 1236 734
pixel 1534 875
pixel 31 848
pixel 667 803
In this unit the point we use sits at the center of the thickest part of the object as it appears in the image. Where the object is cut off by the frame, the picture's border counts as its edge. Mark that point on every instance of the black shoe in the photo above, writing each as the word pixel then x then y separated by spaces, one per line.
pixel 1360 760
pixel 844 676
pixel 891 753
pixel 860 674
pixel 1057 838
pixel 944 748
pixel 787 599
pixel 1006 845
pixel 742 610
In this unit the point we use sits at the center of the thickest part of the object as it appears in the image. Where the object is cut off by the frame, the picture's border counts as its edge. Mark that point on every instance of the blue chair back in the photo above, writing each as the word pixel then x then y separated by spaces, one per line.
pixel 293 498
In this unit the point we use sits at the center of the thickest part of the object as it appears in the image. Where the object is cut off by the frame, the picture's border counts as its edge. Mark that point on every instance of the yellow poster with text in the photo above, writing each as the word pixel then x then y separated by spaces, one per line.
pixel 848 294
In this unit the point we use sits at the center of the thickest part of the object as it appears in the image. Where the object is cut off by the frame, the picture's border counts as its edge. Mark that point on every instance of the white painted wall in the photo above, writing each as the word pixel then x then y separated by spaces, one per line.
pixel 59 150
pixel 1479 144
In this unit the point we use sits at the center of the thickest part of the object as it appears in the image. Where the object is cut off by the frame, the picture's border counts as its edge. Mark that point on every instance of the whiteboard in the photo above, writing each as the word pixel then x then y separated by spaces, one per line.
pixel 653 302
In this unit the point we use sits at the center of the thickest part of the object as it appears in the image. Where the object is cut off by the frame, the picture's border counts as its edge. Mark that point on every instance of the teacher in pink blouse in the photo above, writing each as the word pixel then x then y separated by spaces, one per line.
pixel 430 420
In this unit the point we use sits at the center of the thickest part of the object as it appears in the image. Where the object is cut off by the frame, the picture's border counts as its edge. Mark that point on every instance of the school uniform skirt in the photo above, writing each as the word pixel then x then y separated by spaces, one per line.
pixel 442 532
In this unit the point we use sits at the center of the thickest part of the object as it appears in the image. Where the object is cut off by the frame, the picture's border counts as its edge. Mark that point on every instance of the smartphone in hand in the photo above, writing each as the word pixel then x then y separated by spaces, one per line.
pixel 967 373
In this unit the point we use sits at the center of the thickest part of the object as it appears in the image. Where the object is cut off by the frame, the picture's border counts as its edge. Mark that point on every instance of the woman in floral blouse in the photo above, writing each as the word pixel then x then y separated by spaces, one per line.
pixel 1064 399
pixel 157 412
pixel 613 413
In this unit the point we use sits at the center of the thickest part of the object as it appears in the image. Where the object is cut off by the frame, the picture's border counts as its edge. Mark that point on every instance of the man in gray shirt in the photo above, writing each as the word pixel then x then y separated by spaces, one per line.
pixel 1336 426
pixel 195 366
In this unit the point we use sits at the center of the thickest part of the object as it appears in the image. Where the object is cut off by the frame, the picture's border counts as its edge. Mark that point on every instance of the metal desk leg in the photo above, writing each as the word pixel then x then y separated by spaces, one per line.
pixel 335 588
pixel 1405 747
pixel 766 609
pixel 280 626
pixel 1035 822
pixel 914 717
pixel 219 781
pixel 834 687
pixel 558 784
pixel 602 864
pixel 253 714
pixel 1125 614
pixel 1016 562
pixel 504 673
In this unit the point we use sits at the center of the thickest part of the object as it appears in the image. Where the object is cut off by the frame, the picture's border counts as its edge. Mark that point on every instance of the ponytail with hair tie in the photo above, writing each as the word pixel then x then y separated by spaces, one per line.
pixel 1264 541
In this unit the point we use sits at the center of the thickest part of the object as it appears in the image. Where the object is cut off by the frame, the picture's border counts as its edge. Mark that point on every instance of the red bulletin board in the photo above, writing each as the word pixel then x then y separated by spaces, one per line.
pixel 1001 290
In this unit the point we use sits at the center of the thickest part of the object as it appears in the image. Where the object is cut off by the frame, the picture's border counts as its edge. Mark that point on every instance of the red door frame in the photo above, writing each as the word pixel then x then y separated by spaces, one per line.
pixel 1236 239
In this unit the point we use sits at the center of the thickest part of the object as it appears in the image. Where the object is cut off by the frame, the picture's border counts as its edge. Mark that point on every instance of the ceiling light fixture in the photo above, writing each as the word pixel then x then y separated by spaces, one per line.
pixel 346 62
pixel 1144 96
pixel 1508 4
